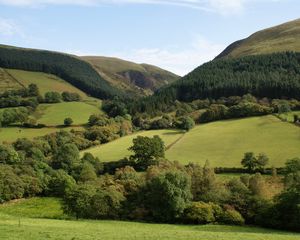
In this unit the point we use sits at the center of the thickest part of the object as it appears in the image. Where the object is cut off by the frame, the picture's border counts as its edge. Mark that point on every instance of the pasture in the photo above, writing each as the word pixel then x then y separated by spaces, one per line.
pixel 31 220
pixel 45 82
pixel 54 114
pixel 10 134
pixel 118 149
pixel 223 143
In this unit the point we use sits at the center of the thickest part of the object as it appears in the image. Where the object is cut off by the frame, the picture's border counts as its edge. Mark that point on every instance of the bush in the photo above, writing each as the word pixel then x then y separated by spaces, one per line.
pixel 199 213
pixel 232 217
pixel 68 121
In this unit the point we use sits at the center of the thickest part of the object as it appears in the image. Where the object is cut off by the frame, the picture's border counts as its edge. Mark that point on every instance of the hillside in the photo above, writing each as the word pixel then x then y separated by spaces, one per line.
pixel 235 137
pixel 281 38
pixel 141 79
pixel 68 67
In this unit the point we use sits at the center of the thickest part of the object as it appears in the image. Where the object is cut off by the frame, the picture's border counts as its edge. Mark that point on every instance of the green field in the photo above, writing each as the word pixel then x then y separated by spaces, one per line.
pixel 118 149
pixel 54 114
pixel 45 82
pixel 10 134
pixel 223 143
pixel 25 219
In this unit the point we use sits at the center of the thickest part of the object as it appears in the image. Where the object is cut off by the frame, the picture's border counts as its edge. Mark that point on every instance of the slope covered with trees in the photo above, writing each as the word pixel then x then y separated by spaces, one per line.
pixel 284 37
pixel 70 68
pixel 272 76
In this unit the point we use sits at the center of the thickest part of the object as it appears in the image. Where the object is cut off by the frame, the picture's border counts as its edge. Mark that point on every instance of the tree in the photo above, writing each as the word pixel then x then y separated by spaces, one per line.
pixel 186 123
pixel 59 183
pixel 87 173
pixel 252 163
pixel 68 121
pixel 66 158
pixel 52 97
pixel 33 90
pixel 147 150
pixel 167 195
pixel 8 155
pixel 261 161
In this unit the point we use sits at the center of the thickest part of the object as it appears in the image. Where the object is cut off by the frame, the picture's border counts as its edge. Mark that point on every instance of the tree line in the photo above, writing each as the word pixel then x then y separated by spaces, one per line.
pixel 70 68
pixel 166 192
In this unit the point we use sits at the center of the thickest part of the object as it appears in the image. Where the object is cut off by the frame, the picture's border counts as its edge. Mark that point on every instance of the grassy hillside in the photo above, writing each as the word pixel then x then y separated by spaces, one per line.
pixel 45 82
pixel 136 78
pixel 24 220
pixel 54 114
pixel 285 37
pixel 223 143
pixel 117 149
pixel 10 134
pixel 7 82
pixel 71 68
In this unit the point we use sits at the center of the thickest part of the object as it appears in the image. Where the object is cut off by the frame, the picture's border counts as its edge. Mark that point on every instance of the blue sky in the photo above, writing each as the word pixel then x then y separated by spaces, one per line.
pixel 177 35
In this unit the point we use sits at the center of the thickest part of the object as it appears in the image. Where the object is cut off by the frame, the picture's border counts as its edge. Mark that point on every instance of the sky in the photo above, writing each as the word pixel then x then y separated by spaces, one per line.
pixel 177 35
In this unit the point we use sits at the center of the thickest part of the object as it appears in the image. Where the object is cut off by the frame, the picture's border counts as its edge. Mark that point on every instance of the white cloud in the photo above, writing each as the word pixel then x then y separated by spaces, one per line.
pixel 8 27
pixel 219 6
pixel 175 60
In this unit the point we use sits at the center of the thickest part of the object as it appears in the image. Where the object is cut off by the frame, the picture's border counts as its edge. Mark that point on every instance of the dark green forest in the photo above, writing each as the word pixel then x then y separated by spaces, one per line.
pixel 75 71
pixel 273 76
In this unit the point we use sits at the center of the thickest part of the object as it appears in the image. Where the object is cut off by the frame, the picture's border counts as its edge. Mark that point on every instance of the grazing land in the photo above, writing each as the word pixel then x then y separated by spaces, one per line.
pixel 54 114
pixel 45 82
pixel 27 220
pixel 10 134
pixel 118 149
pixel 223 143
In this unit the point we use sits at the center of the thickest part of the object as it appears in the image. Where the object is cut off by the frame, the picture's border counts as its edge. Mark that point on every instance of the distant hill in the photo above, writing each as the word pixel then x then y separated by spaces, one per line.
pixel 68 67
pixel 281 38
pixel 140 79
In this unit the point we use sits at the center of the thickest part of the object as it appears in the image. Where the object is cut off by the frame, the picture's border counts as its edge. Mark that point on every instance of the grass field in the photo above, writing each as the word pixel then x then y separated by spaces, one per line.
pixel 25 219
pixel 118 149
pixel 7 82
pixel 54 114
pixel 10 134
pixel 45 82
pixel 223 143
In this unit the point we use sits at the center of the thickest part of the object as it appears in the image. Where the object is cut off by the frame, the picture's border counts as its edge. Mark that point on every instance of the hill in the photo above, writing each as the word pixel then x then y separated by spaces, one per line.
pixel 281 38
pixel 68 67
pixel 141 79
pixel 273 76
pixel 223 143
pixel 31 219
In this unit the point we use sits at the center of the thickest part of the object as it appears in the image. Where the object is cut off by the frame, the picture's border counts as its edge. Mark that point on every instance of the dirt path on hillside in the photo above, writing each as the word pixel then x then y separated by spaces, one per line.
pixel 176 141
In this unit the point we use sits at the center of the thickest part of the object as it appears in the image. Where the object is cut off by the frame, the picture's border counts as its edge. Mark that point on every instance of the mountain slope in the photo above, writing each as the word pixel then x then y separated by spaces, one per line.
pixel 68 67
pixel 141 79
pixel 281 38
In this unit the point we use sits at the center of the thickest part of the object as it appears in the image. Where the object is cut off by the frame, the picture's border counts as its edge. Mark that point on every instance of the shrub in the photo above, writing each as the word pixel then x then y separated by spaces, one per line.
pixel 232 217
pixel 199 213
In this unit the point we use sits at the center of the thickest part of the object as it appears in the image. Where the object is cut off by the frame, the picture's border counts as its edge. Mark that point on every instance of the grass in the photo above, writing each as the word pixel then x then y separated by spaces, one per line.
pixel 46 207
pixel 23 220
pixel 118 149
pixel 7 82
pixel 45 82
pixel 223 143
pixel 280 38
pixel 11 134
pixel 54 114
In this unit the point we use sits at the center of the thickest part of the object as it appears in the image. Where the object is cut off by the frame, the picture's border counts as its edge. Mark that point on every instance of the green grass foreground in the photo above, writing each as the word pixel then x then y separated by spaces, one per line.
pixel 25 219
pixel 223 143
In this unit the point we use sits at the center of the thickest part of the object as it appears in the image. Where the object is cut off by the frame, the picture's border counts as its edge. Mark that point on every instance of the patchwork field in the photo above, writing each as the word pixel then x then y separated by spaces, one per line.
pixel 45 82
pixel 14 226
pixel 223 143
pixel 54 114
pixel 119 148
pixel 10 134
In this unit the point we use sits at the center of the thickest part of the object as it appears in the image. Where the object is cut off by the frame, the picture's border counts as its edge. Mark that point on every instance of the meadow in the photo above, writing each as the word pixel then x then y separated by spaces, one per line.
pixel 223 143
pixel 118 149
pixel 45 82
pixel 10 134
pixel 23 220
pixel 54 114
